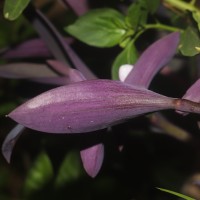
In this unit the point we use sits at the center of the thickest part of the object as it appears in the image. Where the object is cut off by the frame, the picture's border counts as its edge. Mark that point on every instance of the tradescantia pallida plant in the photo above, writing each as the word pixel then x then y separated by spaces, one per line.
pixel 91 105
pixel 86 102
pixel 82 102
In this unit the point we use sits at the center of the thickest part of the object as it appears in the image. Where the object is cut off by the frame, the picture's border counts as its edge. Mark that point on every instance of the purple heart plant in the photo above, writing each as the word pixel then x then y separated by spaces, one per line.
pixel 79 101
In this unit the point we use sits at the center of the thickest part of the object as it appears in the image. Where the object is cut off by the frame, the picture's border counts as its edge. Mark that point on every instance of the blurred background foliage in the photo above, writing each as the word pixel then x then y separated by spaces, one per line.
pixel 47 166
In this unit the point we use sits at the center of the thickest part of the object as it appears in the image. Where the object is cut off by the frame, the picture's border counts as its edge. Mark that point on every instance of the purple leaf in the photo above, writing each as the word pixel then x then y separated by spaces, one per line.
pixel 92 159
pixel 61 51
pixel 78 6
pixel 152 60
pixel 26 70
pixel 9 142
pixel 57 81
pixel 41 73
pixel 30 49
pixel 88 106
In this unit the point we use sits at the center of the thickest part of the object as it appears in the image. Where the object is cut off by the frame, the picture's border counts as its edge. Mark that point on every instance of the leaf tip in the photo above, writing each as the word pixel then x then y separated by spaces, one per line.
pixel 92 159
pixel 10 141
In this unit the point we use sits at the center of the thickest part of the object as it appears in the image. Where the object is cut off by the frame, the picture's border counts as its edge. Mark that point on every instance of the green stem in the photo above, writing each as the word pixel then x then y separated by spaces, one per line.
pixel 182 5
pixel 156 26
pixel 162 26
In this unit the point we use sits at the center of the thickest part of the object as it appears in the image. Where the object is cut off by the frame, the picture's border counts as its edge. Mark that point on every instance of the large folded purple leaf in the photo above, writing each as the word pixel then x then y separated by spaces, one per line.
pixel 61 51
pixel 78 6
pixel 152 60
pixel 10 141
pixel 92 159
pixel 30 49
pixel 26 70
pixel 88 106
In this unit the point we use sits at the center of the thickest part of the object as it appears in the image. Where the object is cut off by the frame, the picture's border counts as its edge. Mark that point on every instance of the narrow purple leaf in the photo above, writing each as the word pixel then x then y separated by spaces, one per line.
pixel 30 49
pixel 26 70
pixel 152 60
pixel 88 106
pixel 61 51
pixel 78 6
pixel 41 73
pixel 57 81
pixel 92 159
pixel 9 142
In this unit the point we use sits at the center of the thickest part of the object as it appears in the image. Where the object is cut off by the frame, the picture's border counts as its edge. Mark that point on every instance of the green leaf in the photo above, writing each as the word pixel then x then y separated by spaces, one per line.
pixel 39 175
pixel 70 169
pixel 13 8
pixel 196 17
pixel 137 14
pixel 99 27
pixel 176 194
pixel 190 42
pixel 127 56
